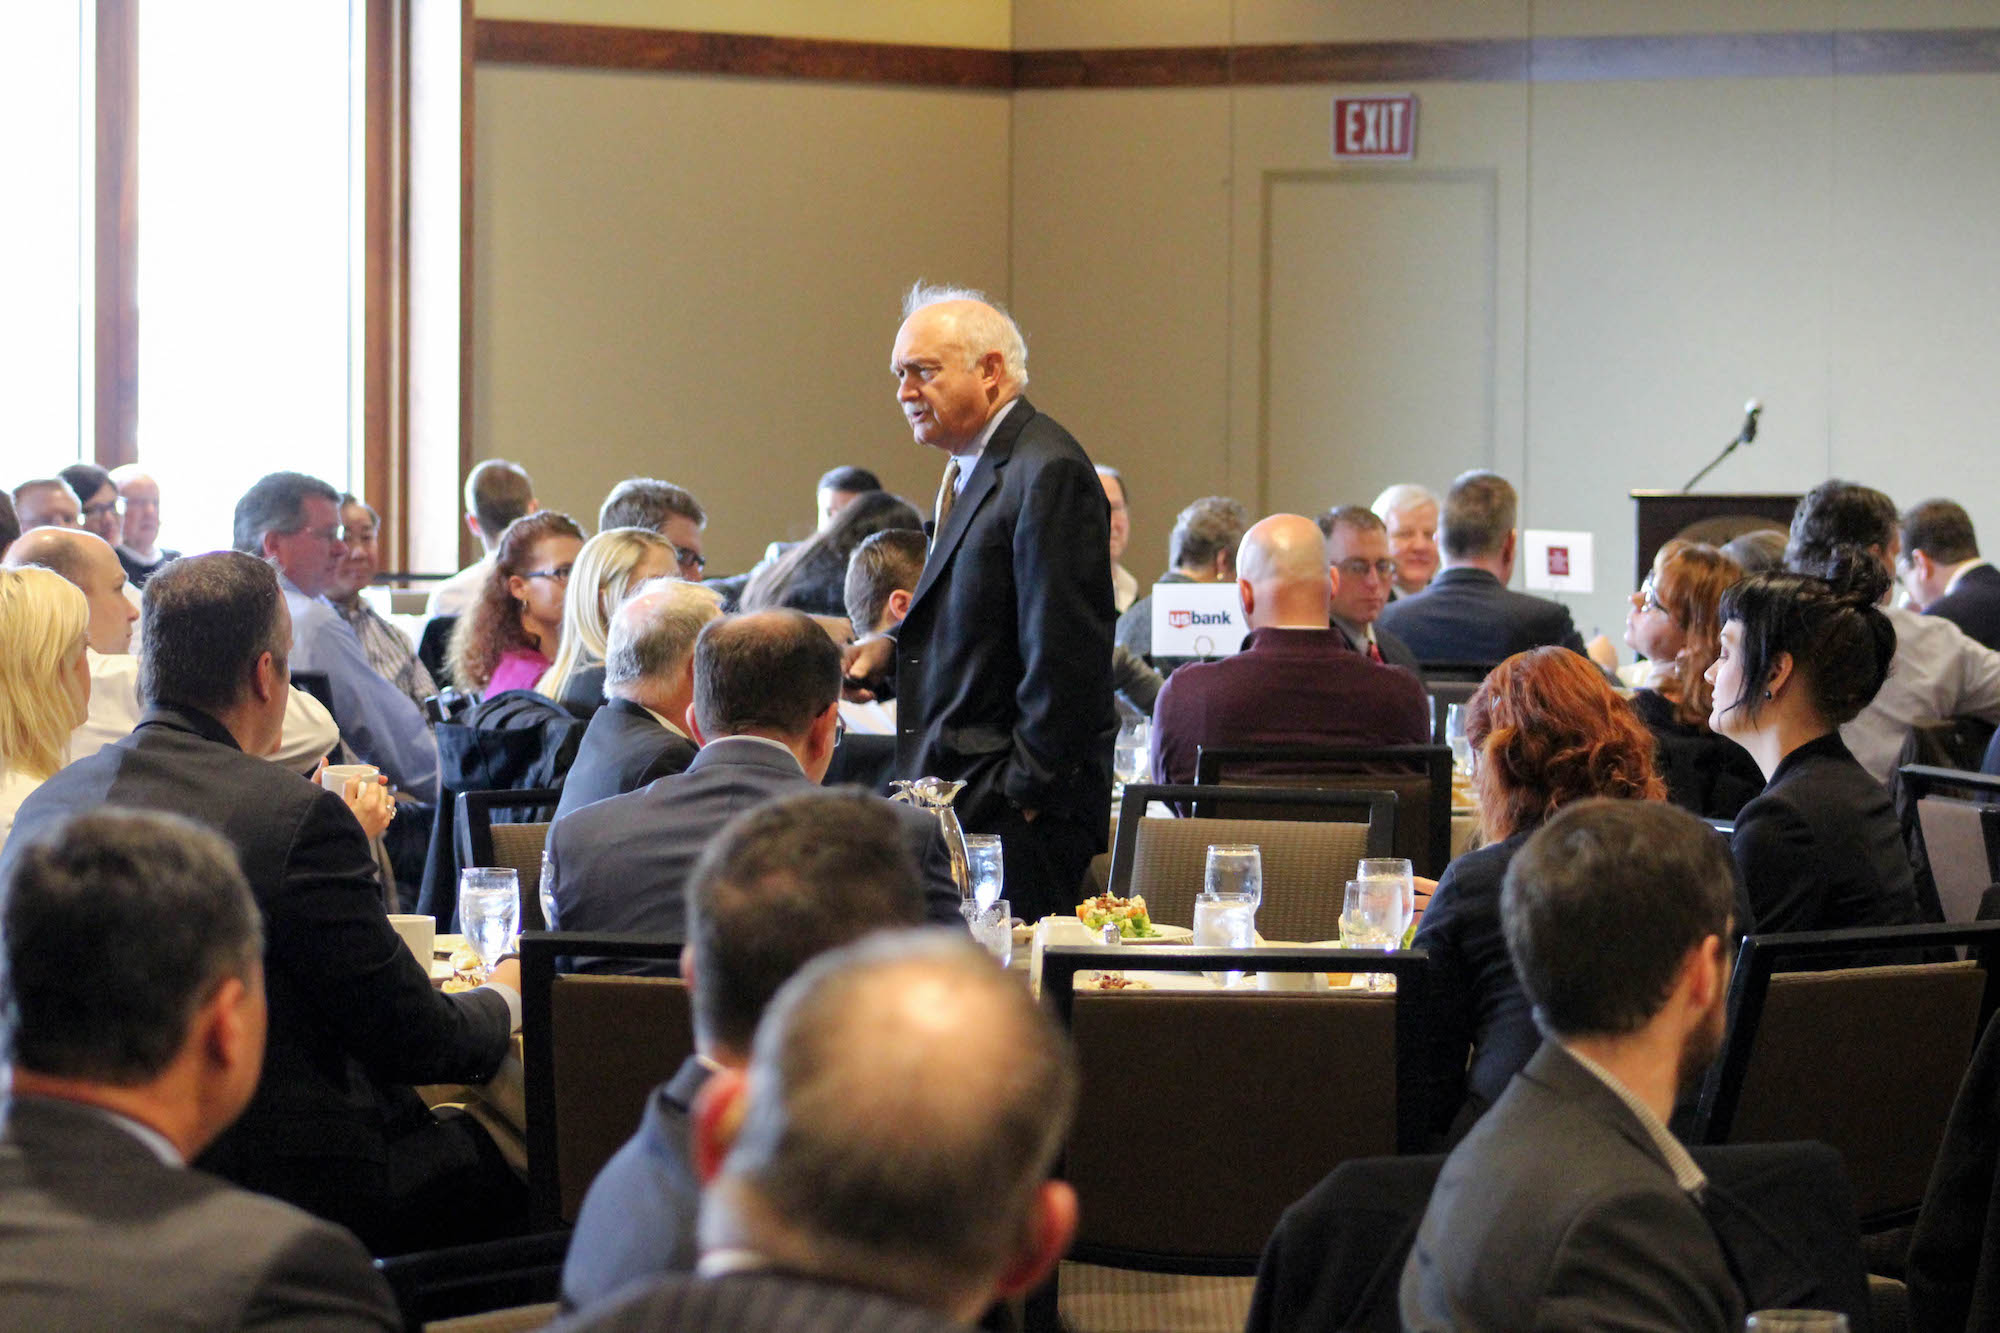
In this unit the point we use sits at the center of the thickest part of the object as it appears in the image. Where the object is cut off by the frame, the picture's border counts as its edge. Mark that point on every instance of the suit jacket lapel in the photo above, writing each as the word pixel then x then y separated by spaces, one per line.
pixel 977 488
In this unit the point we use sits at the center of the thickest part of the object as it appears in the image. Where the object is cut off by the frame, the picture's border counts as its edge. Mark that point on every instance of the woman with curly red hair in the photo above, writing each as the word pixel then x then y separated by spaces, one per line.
pixel 511 634
pixel 1546 730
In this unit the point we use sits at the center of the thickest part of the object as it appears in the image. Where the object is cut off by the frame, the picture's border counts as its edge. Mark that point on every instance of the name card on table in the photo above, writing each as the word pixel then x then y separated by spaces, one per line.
pixel 1554 561
pixel 1197 620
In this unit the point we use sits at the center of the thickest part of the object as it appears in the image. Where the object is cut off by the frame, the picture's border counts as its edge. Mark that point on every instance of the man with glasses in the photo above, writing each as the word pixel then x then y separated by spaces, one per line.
pixel 388 648
pixel 643 502
pixel 293 521
pixel 1357 546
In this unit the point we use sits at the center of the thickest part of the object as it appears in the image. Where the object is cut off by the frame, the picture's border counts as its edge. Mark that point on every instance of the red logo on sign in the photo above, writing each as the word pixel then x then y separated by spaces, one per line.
pixel 1375 127
pixel 1180 619
pixel 1559 562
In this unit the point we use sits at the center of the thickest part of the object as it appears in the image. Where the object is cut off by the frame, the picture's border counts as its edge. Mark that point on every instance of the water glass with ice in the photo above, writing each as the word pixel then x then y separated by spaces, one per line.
pixel 993 927
pixel 1398 869
pixel 1235 867
pixel 987 878
pixel 1224 921
pixel 1454 736
pixel 489 910
pixel 1131 754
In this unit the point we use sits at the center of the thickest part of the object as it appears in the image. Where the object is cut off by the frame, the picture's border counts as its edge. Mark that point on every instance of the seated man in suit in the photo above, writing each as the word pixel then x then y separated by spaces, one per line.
pixel 335 1126
pixel 766 695
pixel 115 708
pixel 780 885
pixel 1942 571
pixel 850 1186
pixel 1297 681
pixel 1201 549
pixel 639 734
pixel 881 575
pixel 102 1225
pixel 1357 546
pixel 1468 613
pixel 1570 1205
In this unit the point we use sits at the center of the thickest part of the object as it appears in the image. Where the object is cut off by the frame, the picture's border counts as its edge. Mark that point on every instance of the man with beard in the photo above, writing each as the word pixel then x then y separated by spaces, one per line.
pixel 1570 1205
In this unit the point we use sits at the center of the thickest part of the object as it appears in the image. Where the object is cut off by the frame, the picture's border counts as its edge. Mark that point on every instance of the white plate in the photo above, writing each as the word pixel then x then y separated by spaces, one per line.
pixel 1167 935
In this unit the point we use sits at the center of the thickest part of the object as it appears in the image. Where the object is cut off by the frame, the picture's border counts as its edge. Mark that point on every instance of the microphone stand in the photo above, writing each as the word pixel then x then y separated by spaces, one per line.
pixel 1743 437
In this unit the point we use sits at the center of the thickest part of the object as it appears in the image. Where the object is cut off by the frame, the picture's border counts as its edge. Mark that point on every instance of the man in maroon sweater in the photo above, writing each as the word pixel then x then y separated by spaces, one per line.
pixel 1297 681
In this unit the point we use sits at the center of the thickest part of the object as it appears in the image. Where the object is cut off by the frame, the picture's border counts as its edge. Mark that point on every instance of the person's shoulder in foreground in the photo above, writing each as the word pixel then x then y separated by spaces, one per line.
pixel 756 1302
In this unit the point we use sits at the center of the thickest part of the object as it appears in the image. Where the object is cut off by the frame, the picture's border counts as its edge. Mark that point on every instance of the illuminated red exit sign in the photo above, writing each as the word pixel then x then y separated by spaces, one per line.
pixel 1375 128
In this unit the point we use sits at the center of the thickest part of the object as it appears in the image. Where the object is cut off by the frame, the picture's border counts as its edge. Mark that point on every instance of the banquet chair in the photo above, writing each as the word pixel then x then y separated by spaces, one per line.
pixel 1240 1100
pixel 1864 1059
pixel 513 1283
pixel 517 847
pixel 434 648
pixel 593 1049
pixel 1456 685
pixel 1419 775
pixel 1956 835
pixel 1307 858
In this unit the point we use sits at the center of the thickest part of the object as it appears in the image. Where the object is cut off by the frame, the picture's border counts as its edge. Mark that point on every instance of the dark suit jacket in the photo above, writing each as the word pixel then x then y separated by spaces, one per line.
pixel 97 1232
pixel 353 1020
pixel 1467 615
pixel 584 694
pixel 623 749
pixel 1709 774
pixel 1287 687
pixel 1558 1211
pixel 1954 1262
pixel 1821 849
pixel 638 1218
pixel 622 864
pixel 1974 605
pixel 1003 664
pixel 755 1302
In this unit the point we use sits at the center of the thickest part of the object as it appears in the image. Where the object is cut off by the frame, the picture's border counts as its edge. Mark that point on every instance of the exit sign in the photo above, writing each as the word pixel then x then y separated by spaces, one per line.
pixel 1375 128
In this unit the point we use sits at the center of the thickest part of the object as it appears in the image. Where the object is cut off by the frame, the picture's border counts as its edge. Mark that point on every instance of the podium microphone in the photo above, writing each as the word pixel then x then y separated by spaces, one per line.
pixel 1752 412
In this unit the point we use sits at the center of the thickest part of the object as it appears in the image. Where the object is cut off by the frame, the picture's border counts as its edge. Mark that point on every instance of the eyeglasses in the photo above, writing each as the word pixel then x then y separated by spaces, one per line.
pixel 1649 600
pixel 560 573
pixel 101 510
pixel 1358 568
pixel 684 557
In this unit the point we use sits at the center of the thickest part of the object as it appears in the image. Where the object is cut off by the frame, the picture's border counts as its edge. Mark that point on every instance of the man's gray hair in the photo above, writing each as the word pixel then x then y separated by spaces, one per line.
pixel 276 503
pixel 980 331
pixel 1209 526
pixel 1401 496
pixel 858 1159
pixel 1479 511
pixel 653 631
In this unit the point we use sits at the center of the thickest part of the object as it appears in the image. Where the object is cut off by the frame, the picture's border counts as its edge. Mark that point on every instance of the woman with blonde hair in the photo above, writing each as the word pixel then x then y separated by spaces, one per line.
pixel 44 680
pixel 609 567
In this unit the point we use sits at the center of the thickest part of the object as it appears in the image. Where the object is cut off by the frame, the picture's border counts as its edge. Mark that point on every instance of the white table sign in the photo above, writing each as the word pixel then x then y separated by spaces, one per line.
pixel 1197 620
pixel 1554 561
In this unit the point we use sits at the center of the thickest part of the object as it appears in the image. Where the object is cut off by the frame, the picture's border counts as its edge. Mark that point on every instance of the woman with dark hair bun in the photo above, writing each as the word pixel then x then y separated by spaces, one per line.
pixel 1820 848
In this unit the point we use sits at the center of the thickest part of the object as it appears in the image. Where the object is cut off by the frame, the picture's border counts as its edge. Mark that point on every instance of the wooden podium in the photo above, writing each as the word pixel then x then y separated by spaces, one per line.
pixel 1712 517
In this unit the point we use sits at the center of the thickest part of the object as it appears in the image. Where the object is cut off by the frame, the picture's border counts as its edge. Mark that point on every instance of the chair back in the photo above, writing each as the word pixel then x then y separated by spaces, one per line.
pixel 1419 775
pixel 434 648
pixel 482 841
pixel 1865 1059
pixel 316 683
pixel 594 1048
pixel 1448 689
pixel 468 1280
pixel 1227 1097
pixel 1962 839
pixel 1307 858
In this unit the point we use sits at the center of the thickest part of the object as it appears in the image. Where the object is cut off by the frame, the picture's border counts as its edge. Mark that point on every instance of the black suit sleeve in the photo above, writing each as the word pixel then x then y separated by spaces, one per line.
pixel 1445 1041
pixel 322 1282
pixel 370 990
pixel 1781 866
pixel 1062 591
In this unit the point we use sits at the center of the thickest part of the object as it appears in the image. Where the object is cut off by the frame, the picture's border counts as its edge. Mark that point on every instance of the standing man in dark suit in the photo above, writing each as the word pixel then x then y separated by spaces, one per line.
pixel 1942 571
pixel 335 1126
pixel 766 695
pixel 1003 663
pixel 1357 546
pixel 1468 614
pixel 1570 1205
pixel 640 732
pixel 852 1187
pixel 102 1224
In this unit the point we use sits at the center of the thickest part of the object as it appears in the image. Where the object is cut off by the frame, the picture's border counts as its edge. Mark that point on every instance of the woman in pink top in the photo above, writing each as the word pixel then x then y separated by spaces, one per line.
pixel 509 637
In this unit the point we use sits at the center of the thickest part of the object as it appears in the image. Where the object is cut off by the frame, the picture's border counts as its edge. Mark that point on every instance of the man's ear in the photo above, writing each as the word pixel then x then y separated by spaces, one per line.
pixel 1333 579
pixel 688 965
pixel 1706 973
pixel 271 679
pixel 227 1038
pixel 899 604
pixel 1051 1227
pixel 268 546
pixel 694 728
pixel 718 1116
pixel 1248 596
pixel 472 526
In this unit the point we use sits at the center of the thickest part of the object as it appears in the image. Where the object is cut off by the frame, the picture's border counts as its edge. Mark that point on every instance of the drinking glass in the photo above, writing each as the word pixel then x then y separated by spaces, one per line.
pixel 1454 736
pixel 993 927
pixel 1235 867
pixel 1395 868
pixel 1224 921
pixel 1131 756
pixel 1796 1321
pixel 1372 916
pixel 489 910
pixel 982 861
pixel 545 890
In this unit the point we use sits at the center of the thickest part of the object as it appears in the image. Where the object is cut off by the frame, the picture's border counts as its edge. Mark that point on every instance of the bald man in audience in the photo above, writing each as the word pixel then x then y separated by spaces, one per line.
pixel 641 733
pixel 1297 681
pixel 779 886
pixel 851 1189
pixel 139 550
pixel 115 705
pixel 1409 514
pixel 46 502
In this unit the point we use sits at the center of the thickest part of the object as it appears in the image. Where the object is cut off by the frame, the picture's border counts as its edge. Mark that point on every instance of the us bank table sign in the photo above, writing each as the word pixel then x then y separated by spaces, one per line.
pixel 1197 620
pixel 1375 129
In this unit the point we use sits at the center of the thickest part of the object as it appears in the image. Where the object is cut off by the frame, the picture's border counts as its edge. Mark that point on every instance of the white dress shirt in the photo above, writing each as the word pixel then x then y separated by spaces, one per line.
pixel 1938 672
pixel 115 709
pixel 377 720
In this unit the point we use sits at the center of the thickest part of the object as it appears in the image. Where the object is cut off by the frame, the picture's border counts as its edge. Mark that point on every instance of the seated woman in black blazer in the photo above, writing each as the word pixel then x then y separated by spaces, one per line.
pixel 1546 730
pixel 1675 621
pixel 1820 848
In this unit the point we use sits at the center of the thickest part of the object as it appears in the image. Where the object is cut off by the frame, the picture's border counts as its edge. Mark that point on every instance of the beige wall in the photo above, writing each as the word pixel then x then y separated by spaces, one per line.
pixel 696 277
pixel 981 23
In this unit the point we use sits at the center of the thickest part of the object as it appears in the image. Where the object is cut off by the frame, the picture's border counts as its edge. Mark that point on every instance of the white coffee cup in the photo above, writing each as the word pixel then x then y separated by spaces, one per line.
pixel 1297 981
pixel 419 933
pixel 334 776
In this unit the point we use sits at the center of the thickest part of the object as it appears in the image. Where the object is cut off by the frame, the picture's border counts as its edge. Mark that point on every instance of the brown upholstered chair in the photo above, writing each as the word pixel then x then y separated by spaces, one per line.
pixel 1307 859
pixel 1867 1059
pixel 593 1047
pixel 1419 775
pixel 484 842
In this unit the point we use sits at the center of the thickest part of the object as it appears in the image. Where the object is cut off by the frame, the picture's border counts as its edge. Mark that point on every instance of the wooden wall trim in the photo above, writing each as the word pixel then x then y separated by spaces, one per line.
pixel 115 336
pixel 1496 60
